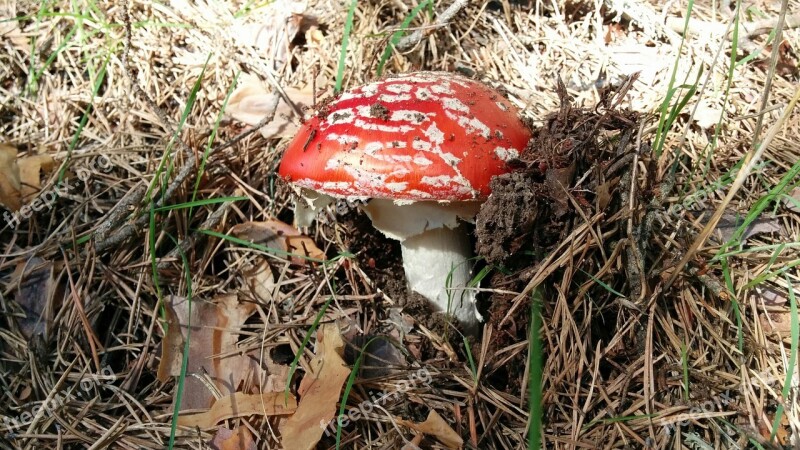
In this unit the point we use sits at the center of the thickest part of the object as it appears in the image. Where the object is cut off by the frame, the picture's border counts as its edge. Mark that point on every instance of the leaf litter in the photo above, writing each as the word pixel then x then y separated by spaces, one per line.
pixel 612 364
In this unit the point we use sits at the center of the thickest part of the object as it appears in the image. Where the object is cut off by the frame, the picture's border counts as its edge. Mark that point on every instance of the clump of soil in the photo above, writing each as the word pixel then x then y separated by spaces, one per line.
pixel 530 207
pixel 561 178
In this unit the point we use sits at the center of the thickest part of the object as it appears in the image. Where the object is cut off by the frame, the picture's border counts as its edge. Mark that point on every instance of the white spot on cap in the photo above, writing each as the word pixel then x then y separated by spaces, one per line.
pixel 422 161
pixel 349 95
pixel 333 164
pixel 472 125
pixel 344 115
pixel 451 159
pixel 434 134
pixel 502 106
pixel 419 194
pixel 423 94
pixel 364 111
pixel 454 104
pixel 389 98
pixel 373 147
pixel 419 144
pixel 370 90
pixel 506 154
pixel 400 172
pixel 437 181
pixel 408 115
pixel 397 186
pixel 336 185
pixel 343 138
pixel 399 88
pixel 442 88
pixel 360 123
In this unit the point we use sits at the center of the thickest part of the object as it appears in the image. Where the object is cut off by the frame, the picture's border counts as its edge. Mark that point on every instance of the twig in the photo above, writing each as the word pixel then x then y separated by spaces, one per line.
pixel 189 242
pixel 752 29
pixel 643 15
pixel 776 45
pixel 441 20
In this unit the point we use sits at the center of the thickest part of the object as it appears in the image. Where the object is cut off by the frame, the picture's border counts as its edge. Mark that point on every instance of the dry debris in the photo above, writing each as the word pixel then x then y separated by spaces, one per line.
pixel 96 129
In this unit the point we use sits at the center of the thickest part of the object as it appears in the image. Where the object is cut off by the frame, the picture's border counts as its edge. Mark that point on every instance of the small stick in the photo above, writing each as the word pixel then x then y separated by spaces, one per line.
pixel 441 20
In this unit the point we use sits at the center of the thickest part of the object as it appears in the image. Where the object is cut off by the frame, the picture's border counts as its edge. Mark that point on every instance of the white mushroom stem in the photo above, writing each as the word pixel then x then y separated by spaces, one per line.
pixel 436 251
pixel 437 266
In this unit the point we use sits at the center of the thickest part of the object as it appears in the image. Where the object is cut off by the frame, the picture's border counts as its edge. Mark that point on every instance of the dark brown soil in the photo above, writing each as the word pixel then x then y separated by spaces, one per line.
pixel 530 210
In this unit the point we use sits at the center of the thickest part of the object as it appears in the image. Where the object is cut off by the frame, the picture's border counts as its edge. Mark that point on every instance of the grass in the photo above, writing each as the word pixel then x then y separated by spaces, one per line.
pixel 397 35
pixel 790 367
pixel 74 53
pixel 348 27
pixel 185 357
pixel 302 347
pixel 535 369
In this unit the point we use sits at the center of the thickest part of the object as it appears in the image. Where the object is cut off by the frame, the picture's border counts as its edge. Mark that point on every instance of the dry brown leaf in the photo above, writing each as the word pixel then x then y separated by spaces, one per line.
pixel 212 347
pixel 707 114
pixel 250 103
pixel 171 345
pixel 30 169
pixel 731 221
pixel 792 201
pixel 238 439
pixel 240 405
pixel 319 391
pixel 10 186
pixel 434 425
pixel 280 236
pixel 33 295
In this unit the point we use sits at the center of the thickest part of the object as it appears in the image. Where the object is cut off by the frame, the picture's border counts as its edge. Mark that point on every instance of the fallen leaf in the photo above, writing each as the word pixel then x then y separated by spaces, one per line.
pixel 240 404
pixel 730 223
pixel 33 295
pixel 213 352
pixel 238 439
pixel 250 103
pixel 10 30
pixel 30 169
pixel 10 186
pixel 707 115
pixel 319 391
pixel 776 322
pixel 280 236
pixel 786 66
pixel 437 427
pixel 603 192
pixel 792 201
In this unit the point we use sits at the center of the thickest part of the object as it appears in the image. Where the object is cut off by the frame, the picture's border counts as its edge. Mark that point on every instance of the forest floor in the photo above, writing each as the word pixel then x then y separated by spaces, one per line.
pixel 638 273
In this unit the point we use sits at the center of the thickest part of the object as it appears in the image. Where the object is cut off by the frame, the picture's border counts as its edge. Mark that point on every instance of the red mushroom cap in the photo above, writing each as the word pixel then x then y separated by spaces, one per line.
pixel 418 136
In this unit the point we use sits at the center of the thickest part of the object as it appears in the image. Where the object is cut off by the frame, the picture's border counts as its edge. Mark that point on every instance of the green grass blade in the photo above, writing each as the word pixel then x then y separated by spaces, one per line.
pixel 787 383
pixel 397 35
pixel 185 357
pixel 202 169
pixel 536 364
pixel 306 338
pixel 348 26
pixel 204 202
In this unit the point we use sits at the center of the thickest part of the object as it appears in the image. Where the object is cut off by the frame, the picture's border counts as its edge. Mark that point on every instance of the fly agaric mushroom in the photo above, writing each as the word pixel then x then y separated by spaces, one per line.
pixel 420 148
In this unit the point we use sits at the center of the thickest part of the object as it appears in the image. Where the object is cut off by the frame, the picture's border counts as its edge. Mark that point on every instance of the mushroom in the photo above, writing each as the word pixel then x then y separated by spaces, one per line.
pixel 420 150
